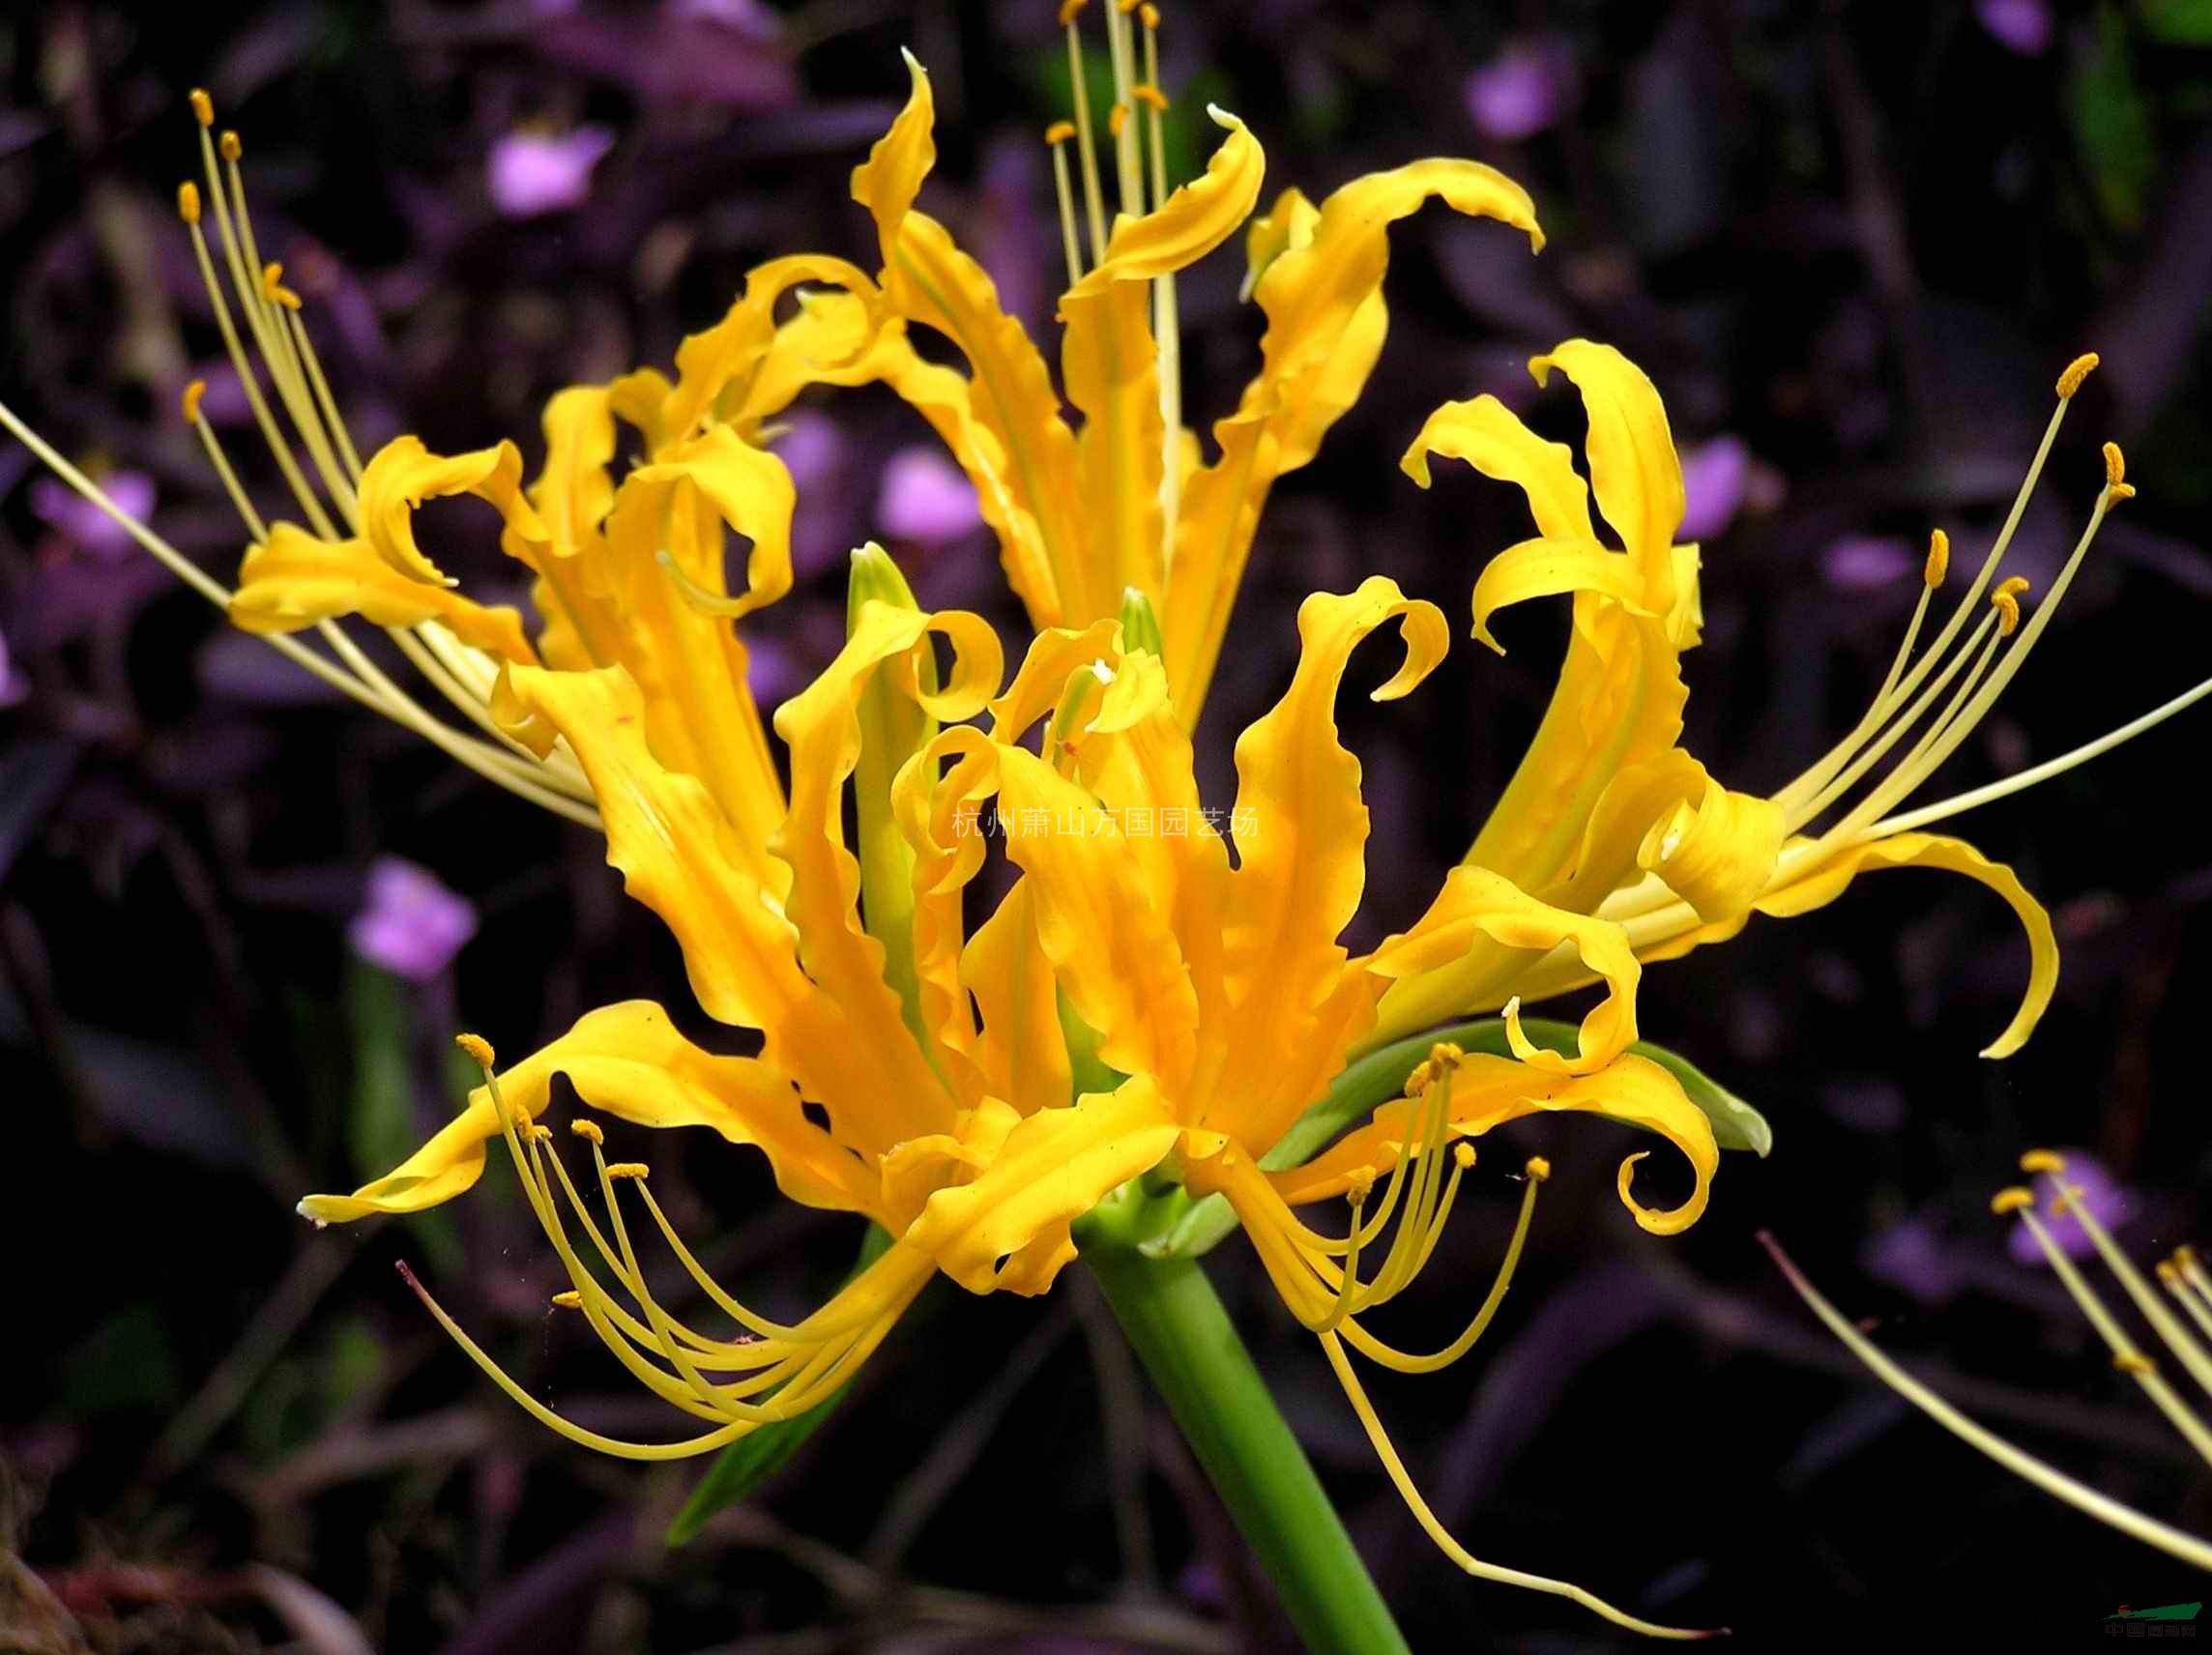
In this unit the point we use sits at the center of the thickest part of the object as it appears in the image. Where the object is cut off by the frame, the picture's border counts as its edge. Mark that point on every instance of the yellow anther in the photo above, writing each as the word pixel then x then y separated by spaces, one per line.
pixel 192 400
pixel 203 107
pixel 1116 118
pixel 1070 9
pixel 475 1045
pixel 2117 492
pixel 2015 584
pixel 1151 97
pixel 2115 465
pixel 2077 371
pixel 1148 15
pixel 2133 1362
pixel 230 147
pixel 1447 1055
pixel 272 287
pixel 1463 1154
pixel 2008 613
pixel 1125 7
pixel 2185 1255
pixel 2168 1272
pixel 2042 1161
pixel 2059 1207
pixel 540 1134
pixel 1539 1168
pixel 1417 1082
pixel 627 1170
pixel 2011 1200
pixel 1059 132
pixel 588 1130
pixel 188 202
pixel 1938 564
pixel 1358 1185
pixel 569 1300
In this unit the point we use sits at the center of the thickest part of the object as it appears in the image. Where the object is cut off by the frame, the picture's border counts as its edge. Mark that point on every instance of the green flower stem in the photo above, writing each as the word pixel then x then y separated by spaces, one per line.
pixel 1188 1346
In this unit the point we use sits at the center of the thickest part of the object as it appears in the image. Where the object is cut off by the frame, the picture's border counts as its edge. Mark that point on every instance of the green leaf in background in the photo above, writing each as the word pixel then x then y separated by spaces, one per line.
pixel 2113 123
pixel 1380 1076
pixel 754 1458
pixel 2177 22
pixel 381 1128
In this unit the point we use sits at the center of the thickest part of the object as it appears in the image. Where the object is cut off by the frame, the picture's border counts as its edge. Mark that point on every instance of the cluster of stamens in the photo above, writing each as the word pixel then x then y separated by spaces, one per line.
pixel 782 1369
pixel 254 308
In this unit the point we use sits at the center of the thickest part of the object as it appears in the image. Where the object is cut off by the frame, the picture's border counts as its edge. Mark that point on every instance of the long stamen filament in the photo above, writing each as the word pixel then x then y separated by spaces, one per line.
pixel 1087 143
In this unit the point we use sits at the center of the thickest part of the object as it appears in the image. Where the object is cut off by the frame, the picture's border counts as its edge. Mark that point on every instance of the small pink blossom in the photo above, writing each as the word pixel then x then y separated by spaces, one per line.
pixel 1866 563
pixel 85 526
pixel 1518 93
pixel 925 498
pixel 410 923
pixel 2022 26
pixel 530 173
pixel 1713 479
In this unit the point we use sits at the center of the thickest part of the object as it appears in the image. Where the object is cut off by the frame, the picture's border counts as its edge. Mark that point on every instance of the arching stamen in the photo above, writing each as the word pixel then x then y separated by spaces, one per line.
pixel 1441 1536
pixel 1375 1350
pixel 2178 1339
pixel 1125 159
pixel 1166 325
pixel 2021 1463
pixel 1087 147
pixel 1056 139
pixel 2126 1357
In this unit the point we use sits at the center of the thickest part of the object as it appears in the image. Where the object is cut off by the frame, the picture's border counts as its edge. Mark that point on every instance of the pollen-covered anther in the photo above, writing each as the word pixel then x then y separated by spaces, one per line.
pixel 189 402
pixel 588 1130
pixel 1125 7
pixel 2185 1257
pixel 1148 15
pixel 1059 132
pixel 2133 1362
pixel 1463 1154
pixel 476 1047
pixel 1116 118
pixel 2168 1272
pixel 1938 564
pixel 1444 1057
pixel 272 287
pixel 2058 1206
pixel 1070 9
pixel 2077 371
pixel 540 1132
pixel 627 1170
pixel 2012 1199
pixel 203 107
pixel 2042 1161
pixel 1151 97
pixel 1417 1080
pixel 1538 1169
pixel 230 146
pixel 1359 1185
pixel 188 202
pixel 2116 484
pixel 2007 608
pixel 571 1299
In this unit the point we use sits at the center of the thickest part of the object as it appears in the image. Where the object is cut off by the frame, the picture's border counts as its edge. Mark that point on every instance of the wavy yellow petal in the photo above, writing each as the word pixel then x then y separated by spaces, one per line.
pixel 404 474
pixel 294 579
pixel 1633 465
pixel 1054 1167
pixel 1491 438
pixel 1302 833
pixel 629 1062
pixel 1325 325
pixel 573 494
pixel 1548 568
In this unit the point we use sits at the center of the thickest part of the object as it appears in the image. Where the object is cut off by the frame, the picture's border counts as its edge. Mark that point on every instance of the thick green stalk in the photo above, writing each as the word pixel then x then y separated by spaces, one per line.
pixel 1188 1346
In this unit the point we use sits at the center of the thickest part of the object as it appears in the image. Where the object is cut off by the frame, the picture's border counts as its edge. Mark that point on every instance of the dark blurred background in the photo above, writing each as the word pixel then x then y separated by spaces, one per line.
pixel 1854 243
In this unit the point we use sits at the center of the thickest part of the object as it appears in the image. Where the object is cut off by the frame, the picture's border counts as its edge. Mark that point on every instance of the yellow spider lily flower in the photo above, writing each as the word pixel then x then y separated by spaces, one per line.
pixel 968 1124
pixel 1607 815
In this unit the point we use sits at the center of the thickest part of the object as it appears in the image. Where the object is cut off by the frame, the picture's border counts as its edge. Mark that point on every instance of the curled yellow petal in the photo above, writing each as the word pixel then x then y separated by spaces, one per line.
pixel 1475 904
pixel 1718 852
pixel 1829 880
pixel 1634 469
pixel 404 474
pixel 294 579
pixel 1491 438
pixel 1194 221
pixel 629 1062
pixel 1547 569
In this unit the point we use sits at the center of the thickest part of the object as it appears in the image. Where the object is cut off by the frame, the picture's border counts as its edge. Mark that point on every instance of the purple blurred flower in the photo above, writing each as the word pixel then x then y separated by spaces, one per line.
pixel 84 525
pixel 409 922
pixel 1713 477
pixel 1912 1256
pixel 1867 563
pixel 924 497
pixel 813 452
pixel 529 173
pixel 1518 93
pixel 770 672
pixel 14 686
pixel 2022 26
pixel 2108 1199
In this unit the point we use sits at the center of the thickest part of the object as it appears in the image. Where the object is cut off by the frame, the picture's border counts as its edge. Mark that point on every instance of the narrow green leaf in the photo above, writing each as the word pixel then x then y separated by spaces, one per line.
pixel 754 1458
pixel 1381 1075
